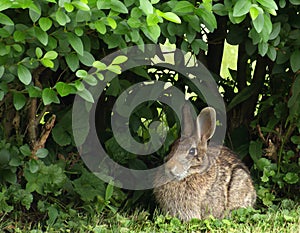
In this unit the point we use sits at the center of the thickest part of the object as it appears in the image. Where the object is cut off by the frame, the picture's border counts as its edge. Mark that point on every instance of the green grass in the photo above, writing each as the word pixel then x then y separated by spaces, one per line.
pixel 276 219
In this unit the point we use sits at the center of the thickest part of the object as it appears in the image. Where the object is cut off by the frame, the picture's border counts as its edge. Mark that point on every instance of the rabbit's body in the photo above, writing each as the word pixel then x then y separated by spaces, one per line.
pixel 224 186
pixel 205 181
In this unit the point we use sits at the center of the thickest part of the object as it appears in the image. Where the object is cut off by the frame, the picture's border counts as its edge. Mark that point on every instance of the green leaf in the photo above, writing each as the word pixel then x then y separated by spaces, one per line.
pixel 62 18
pixel 136 13
pixel 99 65
pixel 236 20
pixel 200 44
pixel 75 42
pixel 87 58
pixel 45 23
pixel 33 7
pixel 270 4
pixel 134 22
pixel 119 60
pixel 35 14
pixel 34 92
pixel 2 69
pixel 61 136
pixel 100 76
pixel 152 32
pixel 24 74
pixel 38 52
pixel 295 139
pixel 241 96
pixel 91 80
pixel 295 2
pixel 152 19
pixel 220 9
pixel 49 96
pixel 291 178
pixel 41 35
pixel 19 100
pixel 109 191
pixel 72 61
pixel 79 85
pixel 4 19
pixel 51 55
pixel 25 150
pixel 69 7
pixel 52 214
pixel 33 166
pixel 2 93
pixel 4 34
pixel 47 63
pixel 79 31
pixel 135 36
pixel 263 48
pixel 19 36
pixel 81 73
pixel 118 6
pixel 64 89
pixel 86 95
pixel 263 163
pixel 183 7
pixel 241 8
pixel 100 27
pixel 255 10
pixel 115 69
pixel 272 53
pixel 103 4
pixel 5 4
pixel 295 61
pixel 170 16
pixel 255 150
pixel 52 43
pixel 111 22
pixel 88 181
pixel 258 23
pixel 4 156
pixel 113 40
pixel 146 7
pixel 275 31
pixel 208 18
pixel 268 26
pixel 17 48
pixel 81 6
pixel 42 153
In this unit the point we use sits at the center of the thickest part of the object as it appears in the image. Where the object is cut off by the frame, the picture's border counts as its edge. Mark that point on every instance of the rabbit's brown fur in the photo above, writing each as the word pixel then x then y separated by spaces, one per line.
pixel 210 181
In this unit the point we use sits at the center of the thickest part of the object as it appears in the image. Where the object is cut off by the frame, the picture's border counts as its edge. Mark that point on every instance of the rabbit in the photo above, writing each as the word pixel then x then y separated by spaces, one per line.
pixel 203 180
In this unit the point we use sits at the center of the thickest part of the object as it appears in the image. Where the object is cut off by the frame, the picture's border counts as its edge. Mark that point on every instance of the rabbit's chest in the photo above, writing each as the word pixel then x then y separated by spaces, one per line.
pixel 188 193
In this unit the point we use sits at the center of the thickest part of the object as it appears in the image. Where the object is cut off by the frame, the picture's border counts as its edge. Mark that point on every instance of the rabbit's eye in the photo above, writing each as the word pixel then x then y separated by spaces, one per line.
pixel 193 151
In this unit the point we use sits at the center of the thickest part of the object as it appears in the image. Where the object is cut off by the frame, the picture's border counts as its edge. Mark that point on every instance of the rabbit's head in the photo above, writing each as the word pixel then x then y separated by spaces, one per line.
pixel 188 154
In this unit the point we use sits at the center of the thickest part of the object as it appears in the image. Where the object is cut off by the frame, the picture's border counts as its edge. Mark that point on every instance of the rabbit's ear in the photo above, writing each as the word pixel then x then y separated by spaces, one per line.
pixel 188 125
pixel 206 124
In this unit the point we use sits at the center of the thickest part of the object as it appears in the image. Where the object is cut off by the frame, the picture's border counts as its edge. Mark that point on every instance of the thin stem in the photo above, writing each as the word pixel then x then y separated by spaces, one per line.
pixel 284 140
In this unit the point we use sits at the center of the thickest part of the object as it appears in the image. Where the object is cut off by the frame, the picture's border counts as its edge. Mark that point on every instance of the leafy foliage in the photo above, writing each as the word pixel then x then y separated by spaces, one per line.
pixel 52 49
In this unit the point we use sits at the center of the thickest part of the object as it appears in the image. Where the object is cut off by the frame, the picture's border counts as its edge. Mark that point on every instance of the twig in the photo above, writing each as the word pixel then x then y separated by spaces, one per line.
pixel 44 135
pixel 260 134
pixel 32 125
pixel 32 121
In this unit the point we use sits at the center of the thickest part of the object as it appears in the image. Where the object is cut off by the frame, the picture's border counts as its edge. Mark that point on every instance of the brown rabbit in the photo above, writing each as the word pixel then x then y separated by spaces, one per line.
pixel 203 180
